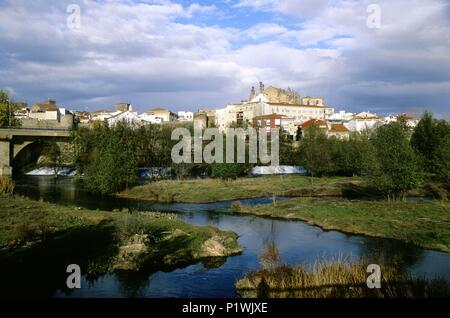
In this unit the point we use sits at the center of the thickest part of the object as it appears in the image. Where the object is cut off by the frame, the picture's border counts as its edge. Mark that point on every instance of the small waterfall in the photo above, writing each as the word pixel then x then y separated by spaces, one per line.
pixel 269 170
pixel 48 171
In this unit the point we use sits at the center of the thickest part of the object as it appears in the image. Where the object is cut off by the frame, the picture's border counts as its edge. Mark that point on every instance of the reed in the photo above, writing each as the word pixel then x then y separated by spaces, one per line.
pixel 7 186
pixel 333 279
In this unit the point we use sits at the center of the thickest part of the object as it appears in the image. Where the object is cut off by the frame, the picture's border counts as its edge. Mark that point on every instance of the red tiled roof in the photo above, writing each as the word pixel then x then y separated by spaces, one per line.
pixel 338 128
pixel 271 116
pixel 316 122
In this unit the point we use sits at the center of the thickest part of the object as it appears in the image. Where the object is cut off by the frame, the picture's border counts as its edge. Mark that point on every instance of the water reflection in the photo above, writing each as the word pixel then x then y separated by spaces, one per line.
pixel 297 242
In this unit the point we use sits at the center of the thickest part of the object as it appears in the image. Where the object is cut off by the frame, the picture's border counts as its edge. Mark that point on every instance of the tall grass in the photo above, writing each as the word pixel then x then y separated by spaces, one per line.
pixel 7 186
pixel 334 279
pixel 337 279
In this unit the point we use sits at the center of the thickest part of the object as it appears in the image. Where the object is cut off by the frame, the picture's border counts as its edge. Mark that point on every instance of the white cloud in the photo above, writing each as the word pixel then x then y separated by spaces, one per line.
pixel 264 30
pixel 142 52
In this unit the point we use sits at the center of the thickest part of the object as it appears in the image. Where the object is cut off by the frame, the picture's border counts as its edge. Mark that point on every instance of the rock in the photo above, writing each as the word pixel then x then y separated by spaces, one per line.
pixel 215 247
pixel 175 233
pixel 129 255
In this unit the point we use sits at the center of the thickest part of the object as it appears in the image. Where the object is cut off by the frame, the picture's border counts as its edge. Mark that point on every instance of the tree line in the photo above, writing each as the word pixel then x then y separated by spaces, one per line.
pixel 392 158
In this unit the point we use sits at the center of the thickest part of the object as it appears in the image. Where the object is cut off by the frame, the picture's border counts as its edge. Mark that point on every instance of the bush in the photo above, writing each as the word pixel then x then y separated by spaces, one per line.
pixel 129 225
pixel 236 207
pixel 7 186
pixel 166 197
pixel 228 170
pixel 437 192
pixel 26 232
pixel 270 257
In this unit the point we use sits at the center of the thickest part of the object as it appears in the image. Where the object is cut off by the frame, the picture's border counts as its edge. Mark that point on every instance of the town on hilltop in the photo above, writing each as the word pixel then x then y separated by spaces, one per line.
pixel 269 107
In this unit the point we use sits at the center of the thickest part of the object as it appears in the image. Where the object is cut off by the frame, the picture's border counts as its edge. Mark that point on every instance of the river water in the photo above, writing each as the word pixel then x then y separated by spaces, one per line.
pixel 298 243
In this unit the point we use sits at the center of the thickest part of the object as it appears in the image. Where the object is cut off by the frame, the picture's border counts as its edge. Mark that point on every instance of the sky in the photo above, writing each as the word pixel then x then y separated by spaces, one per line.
pixel 393 57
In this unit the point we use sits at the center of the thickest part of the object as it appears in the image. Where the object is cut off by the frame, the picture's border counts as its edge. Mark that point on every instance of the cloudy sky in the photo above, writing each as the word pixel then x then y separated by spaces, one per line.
pixel 196 54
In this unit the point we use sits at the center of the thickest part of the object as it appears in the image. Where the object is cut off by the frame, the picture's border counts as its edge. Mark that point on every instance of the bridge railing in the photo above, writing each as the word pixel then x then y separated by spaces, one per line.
pixel 34 128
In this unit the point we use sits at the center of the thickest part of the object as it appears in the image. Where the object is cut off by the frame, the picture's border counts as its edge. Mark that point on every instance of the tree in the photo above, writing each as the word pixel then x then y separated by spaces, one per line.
pixel 442 167
pixel 53 153
pixel 315 153
pixel 394 168
pixel 7 108
pixel 353 155
pixel 113 159
pixel 431 139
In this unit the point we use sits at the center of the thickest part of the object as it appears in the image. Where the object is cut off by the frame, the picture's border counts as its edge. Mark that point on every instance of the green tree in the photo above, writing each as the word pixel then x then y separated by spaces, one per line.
pixel 227 170
pixel 431 139
pixel 315 153
pixel 353 155
pixel 113 159
pixel 54 157
pixel 7 108
pixel 394 169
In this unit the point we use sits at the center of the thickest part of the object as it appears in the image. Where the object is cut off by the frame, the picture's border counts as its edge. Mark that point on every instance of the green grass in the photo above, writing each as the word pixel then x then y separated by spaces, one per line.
pixel 43 238
pixel 212 190
pixel 426 224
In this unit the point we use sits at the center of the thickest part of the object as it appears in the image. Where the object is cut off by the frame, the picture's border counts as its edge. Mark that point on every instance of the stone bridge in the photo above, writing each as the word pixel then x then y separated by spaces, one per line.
pixel 14 141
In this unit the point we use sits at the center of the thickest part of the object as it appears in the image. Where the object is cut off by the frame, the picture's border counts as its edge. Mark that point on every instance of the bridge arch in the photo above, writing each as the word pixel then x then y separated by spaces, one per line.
pixel 19 146
pixel 26 154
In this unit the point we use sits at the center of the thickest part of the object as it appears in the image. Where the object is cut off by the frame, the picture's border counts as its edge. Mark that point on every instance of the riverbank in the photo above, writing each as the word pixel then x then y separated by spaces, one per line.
pixel 213 190
pixel 426 223
pixel 43 238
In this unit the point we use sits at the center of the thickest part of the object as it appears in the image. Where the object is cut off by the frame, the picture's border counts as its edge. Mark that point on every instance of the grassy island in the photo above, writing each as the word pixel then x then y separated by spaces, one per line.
pixel 424 223
pixel 213 190
pixel 51 236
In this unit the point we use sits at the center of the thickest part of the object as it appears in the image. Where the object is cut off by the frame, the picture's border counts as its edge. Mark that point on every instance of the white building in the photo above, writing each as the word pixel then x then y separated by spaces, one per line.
pixel 65 111
pixel 152 119
pixel 45 111
pixel 185 116
pixel 159 115
pixel 341 116
pixel 363 121
pixel 127 116
pixel 410 121
pixel 273 101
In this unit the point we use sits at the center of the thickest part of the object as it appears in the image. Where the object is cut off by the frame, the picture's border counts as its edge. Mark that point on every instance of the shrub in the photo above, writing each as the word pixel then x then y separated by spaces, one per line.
pixel 437 192
pixel 270 257
pixel 228 170
pixel 30 231
pixel 166 197
pixel 236 207
pixel 26 232
pixel 129 225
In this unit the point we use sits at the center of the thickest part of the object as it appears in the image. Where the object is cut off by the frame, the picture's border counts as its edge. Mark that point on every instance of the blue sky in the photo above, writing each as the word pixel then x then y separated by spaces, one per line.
pixel 188 54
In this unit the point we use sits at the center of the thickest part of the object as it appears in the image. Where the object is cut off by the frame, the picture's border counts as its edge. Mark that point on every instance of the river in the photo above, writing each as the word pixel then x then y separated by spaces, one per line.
pixel 297 242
